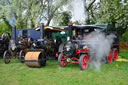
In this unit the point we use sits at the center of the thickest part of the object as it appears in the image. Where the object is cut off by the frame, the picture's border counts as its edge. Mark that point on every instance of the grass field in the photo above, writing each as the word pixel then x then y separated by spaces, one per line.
pixel 17 73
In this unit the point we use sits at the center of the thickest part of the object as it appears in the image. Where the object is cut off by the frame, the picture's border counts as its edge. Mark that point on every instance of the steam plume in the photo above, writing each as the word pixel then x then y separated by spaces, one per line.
pixel 78 11
pixel 100 45
pixel 12 19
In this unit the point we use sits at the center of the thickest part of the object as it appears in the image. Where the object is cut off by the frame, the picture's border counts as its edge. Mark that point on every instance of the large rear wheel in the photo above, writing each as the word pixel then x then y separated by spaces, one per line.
pixel 115 54
pixel 21 56
pixel 62 60
pixel 7 57
pixel 83 61
pixel 110 57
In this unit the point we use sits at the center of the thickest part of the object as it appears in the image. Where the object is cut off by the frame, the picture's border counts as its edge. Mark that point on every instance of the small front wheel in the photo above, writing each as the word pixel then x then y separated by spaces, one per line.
pixel 62 60
pixel 7 57
pixel 21 56
pixel 83 61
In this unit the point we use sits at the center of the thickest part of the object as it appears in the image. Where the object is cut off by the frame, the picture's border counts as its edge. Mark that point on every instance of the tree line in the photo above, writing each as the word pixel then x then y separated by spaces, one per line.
pixel 29 13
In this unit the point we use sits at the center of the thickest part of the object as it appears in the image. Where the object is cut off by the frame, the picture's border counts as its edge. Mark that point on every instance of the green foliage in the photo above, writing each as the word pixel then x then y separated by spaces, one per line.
pixel 29 13
pixel 125 36
pixel 52 9
pixel 90 9
pixel 4 28
pixel 65 19
pixel 115 13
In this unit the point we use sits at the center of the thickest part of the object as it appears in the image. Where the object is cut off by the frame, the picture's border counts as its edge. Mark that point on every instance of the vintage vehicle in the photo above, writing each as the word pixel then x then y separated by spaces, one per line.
pixel 17 47
pixel 44 48
pixel 4 42
pixel 78 51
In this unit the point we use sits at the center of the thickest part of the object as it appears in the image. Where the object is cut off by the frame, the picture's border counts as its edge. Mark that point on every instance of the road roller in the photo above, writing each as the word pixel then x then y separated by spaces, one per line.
pixel 46 47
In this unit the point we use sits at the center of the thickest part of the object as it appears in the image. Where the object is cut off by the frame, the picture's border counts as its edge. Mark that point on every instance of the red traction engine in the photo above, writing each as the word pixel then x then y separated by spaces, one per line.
pixel 78 52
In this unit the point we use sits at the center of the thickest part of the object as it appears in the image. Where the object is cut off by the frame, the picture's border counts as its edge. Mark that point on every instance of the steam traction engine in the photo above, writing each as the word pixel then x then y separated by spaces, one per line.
pixel 17 47
pixel 44 48
pixel 77 51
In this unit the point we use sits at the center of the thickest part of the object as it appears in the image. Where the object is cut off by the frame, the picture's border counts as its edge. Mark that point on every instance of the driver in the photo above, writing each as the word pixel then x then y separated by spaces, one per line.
pixel 76 35
pixel 79 37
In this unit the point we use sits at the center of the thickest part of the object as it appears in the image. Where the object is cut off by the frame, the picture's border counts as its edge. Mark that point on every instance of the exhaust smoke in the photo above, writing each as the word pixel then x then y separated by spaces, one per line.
pixel 99 47
pixel 12 18
pixel 78 11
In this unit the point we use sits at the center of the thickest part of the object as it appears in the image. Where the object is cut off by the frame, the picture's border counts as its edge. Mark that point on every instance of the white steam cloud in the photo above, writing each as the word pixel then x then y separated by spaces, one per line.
pixel 12 19
pixel 100 46
pixel 78 11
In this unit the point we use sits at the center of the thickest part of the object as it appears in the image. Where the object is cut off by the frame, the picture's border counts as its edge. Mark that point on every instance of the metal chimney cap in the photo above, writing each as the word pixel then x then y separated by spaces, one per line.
pixel 42 24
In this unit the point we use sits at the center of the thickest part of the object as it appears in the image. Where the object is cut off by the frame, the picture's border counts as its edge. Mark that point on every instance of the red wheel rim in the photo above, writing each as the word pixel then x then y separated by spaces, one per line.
pixel 116 54
pixel 110 57
pixel 64 60
pixel 85 62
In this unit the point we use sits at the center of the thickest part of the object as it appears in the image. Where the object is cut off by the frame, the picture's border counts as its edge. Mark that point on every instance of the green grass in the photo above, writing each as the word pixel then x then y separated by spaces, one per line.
pixel 17 73
pixel 124 54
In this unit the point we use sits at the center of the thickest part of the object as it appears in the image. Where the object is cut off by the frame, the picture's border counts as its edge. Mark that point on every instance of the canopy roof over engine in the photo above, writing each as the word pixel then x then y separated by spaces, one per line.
pixel 50 28
pixel 87 27
pixel 65 28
